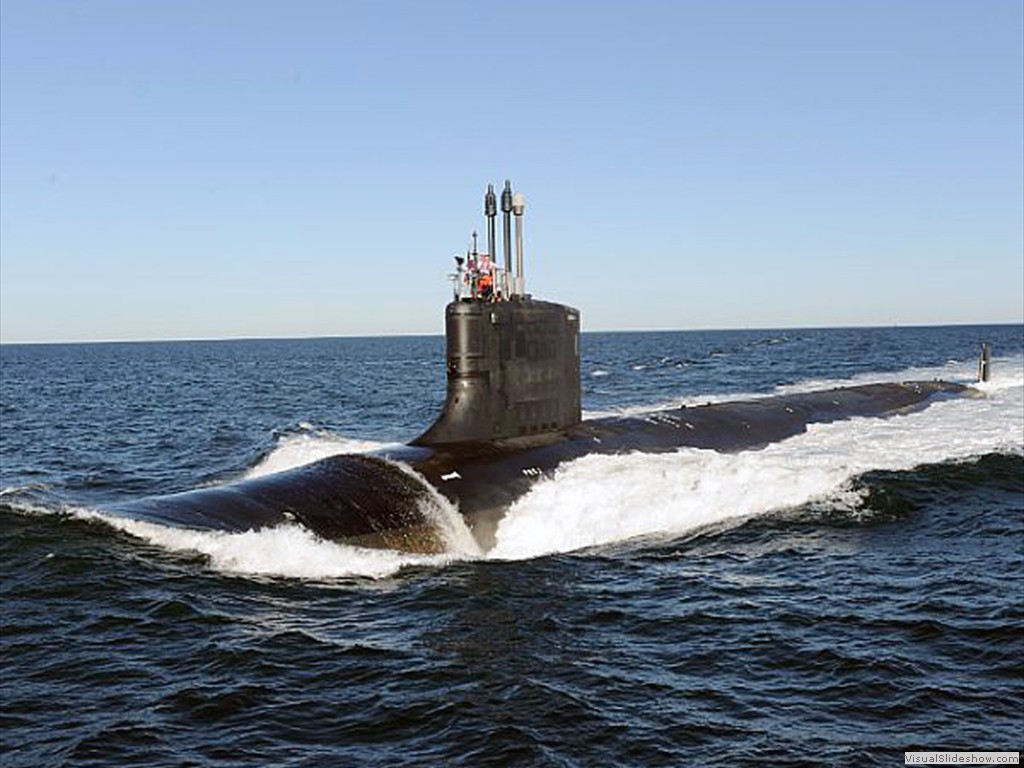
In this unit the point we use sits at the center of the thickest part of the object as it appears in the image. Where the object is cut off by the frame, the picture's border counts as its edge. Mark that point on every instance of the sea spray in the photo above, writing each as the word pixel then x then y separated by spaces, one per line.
pixel 445 516
pixel 289 550
pixel 296 450
pixel 599 499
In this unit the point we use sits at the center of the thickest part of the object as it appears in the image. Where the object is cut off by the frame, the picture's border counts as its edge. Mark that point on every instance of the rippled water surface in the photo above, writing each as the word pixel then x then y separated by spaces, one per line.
pixel 834 599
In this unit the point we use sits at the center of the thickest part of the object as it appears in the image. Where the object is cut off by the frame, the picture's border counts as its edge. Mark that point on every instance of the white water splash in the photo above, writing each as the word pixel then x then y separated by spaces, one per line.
pixel 305 448
pixel 289 551
pixel 458 538
pixel 602 499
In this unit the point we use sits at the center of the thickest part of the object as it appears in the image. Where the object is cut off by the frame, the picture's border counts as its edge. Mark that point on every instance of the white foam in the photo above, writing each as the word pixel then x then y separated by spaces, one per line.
pixel 456 535
pixel 602 499
pixel 288 550
pixel 305 448
pixel 17 490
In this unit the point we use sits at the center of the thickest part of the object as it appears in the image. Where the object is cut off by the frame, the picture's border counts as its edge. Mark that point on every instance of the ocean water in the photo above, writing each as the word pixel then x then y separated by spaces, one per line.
pixel 834 599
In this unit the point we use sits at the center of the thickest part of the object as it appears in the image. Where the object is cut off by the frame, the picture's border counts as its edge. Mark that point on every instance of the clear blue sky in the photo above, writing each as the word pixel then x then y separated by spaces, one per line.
pixel 221 168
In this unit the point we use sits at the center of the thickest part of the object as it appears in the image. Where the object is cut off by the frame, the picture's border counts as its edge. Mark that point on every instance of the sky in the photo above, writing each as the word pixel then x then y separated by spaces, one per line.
pixel 223 168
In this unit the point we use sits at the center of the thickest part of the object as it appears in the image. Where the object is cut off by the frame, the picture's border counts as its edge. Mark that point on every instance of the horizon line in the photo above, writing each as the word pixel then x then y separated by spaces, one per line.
pixel 414 334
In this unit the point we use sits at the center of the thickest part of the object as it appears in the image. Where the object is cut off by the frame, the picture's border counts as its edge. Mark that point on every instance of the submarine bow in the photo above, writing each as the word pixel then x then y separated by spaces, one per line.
pixel 361 500
pixel 511 415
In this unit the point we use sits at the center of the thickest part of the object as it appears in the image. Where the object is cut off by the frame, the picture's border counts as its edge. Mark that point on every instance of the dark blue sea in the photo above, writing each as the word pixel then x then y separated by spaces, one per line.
pixel 834 599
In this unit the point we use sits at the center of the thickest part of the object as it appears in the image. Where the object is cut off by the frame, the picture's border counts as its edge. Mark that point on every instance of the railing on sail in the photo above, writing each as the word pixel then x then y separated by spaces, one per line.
pixel 478 277
pixel 473 284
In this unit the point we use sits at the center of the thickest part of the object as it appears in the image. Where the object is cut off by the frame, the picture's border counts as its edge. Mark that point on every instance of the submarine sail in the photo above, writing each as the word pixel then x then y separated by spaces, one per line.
pixel 513 370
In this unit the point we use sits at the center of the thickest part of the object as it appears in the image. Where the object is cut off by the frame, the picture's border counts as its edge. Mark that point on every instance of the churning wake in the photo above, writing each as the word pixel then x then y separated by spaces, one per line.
pixel 602 499
pixel 599 499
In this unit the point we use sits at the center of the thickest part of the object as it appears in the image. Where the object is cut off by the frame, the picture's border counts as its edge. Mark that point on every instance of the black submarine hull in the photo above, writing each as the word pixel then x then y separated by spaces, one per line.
pixel 512 414
pixel 390 498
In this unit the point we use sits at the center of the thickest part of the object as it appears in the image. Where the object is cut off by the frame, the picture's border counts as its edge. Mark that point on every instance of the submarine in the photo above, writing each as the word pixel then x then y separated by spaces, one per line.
pixel 511 416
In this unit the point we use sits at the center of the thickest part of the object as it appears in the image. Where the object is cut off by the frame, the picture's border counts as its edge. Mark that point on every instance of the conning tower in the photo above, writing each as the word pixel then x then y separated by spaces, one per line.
pixel 513 361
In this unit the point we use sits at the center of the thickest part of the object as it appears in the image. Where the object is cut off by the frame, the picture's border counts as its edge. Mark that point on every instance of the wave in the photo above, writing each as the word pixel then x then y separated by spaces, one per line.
pixel 1007 373
pixel 599 500
pixel 289 551
pixel 296 450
